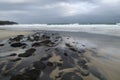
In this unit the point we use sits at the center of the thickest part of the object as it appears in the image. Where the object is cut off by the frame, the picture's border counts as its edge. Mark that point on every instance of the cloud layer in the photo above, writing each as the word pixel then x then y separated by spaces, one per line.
pixel 60 11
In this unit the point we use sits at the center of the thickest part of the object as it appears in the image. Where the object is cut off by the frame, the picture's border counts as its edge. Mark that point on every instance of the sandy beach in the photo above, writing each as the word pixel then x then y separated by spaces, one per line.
pixel 10 33
pixel 57 55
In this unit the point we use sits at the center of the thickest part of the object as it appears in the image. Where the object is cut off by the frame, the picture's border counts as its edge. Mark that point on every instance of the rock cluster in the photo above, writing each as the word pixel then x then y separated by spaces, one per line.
pixel 45 58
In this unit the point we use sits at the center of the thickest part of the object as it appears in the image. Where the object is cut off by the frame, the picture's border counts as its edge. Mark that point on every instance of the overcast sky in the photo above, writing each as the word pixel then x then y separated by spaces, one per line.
pixel 60 11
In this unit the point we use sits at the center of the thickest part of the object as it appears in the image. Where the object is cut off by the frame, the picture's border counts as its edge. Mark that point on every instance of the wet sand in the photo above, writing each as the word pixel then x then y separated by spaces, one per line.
pixel 103 52
pixel 46 55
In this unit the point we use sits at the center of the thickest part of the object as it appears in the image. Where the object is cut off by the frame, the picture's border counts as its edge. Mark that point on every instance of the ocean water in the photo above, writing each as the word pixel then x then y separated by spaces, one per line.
pixel 93 28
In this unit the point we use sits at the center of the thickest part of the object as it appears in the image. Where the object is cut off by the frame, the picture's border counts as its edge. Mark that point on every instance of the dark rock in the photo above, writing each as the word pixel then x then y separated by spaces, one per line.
pixel 48 43
pixel 18 77
pixel 57 76
pixel 43 43
pixel 16 59
pixel 30 38
pixel 56 40
pixel 31 50
pixel 23 47
pixel 68 45
pixel 47 49
pixel 1 44
pixel 45 36
pixel 82 62
pixel 39 65
pixel 81 51
pixel 33 74
pixel 28 53
pixel 73 49
pixel 13 54
pixel 53 34
pixel 9 42
pixel 85 67
pixel 36 44
pixel 18 44
pixel 73 42
pixel 28 75
pixel 49 64
pixel 1 66
pixel 36 38
pixel 59 64
pixel 18 38
pixel 65 54
pixel 71 76
pixel 83 45
pixel 45 58
pixel 67 38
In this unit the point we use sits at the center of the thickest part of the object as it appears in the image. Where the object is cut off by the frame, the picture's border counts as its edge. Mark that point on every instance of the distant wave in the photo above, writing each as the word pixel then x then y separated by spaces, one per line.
pixel 92 28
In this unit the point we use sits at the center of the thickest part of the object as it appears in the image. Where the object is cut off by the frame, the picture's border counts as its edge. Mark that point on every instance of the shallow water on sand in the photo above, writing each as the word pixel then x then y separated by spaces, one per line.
pixel 106 51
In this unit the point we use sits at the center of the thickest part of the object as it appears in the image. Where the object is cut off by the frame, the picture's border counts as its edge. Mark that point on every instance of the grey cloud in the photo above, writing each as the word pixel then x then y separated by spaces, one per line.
pixel 55 11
